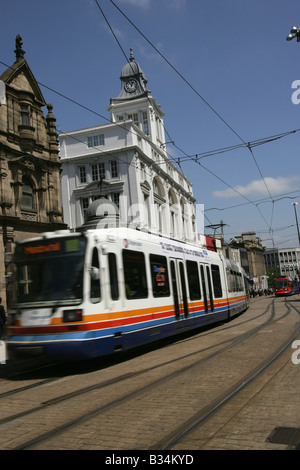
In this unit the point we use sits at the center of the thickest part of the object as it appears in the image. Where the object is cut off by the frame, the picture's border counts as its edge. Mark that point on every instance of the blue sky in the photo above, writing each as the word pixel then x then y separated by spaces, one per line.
pixel 238 70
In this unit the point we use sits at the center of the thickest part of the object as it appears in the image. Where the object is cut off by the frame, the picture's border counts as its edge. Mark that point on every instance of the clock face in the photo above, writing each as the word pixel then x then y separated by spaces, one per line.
pixel 131 85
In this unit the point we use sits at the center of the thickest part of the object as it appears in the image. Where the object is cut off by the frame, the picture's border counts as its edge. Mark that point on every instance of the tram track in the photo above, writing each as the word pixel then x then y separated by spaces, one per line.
pixel 23 374
pixel 44 437
pixel 18 375
pixel 122 377
pixel 198 418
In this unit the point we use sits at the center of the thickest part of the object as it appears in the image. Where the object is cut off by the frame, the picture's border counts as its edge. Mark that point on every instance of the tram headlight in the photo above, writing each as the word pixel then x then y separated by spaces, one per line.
pixel 72 315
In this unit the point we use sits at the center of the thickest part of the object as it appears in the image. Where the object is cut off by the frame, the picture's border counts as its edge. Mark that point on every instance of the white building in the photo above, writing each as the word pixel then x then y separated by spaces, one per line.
pixel 286 260
pixel 126 161
pixel 289 262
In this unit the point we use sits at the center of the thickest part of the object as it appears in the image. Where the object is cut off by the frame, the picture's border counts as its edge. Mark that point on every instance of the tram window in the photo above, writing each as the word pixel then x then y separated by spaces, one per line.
pixel 246 284
pixel 193 280
pixel 135 275
pixel 233 281
pixel 95 293
pixel 210 289
pixel 113 276
pixel 228 279
pixel 159 276
pixel 215 271
pixel 240 282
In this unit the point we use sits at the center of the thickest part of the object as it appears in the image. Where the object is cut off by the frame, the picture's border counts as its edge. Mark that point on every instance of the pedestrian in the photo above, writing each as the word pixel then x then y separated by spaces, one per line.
pixel 2 319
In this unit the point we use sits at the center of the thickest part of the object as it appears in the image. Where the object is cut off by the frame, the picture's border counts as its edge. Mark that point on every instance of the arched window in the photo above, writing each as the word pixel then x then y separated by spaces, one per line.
pixel 158 187
pixel 27 201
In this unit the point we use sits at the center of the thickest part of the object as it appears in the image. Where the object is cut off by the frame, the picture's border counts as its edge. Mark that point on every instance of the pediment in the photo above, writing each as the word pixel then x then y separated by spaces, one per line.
pixel 20 78
pixel 30 162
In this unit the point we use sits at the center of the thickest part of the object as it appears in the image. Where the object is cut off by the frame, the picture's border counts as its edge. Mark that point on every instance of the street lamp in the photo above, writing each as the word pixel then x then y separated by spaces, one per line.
pixel 296 204
pixel 294 33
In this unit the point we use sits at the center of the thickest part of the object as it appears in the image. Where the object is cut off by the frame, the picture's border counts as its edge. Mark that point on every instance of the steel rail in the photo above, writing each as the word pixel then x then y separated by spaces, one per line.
pixel 216 404
pixel 50 434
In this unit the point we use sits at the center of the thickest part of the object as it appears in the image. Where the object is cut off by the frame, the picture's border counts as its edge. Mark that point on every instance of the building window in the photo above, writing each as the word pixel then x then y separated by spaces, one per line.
pixel 134 118
pixel 84 205
pixel 158 128
pixel 145 123
pixel 24 115
pixel 82 174
pixel 96 140
pixel 114 168
pixel 27 201
pixel 143 171
pixel 98 172
pixel 115 197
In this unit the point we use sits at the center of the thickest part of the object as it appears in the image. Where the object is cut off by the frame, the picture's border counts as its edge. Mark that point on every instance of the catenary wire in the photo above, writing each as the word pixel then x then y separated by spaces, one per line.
pixel 120 125
pixel 178 161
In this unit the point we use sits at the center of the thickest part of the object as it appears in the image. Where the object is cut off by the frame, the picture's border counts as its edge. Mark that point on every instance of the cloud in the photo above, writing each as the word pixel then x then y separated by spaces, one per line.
pixel 176 4
pixel 136 3
pixel 257 187
pixel 172 4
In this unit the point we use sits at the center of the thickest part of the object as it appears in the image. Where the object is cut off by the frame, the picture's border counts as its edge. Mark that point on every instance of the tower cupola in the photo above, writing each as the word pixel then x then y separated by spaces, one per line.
pixel 133 81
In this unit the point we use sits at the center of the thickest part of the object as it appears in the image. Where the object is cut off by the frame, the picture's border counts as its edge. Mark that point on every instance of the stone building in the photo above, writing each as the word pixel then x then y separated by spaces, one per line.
pixel 126 161
pixel 251 258
pixel 30 195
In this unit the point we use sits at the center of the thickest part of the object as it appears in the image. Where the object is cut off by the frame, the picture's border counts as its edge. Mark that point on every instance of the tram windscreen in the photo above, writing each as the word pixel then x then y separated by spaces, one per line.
pixel 50 271
pixel 280 283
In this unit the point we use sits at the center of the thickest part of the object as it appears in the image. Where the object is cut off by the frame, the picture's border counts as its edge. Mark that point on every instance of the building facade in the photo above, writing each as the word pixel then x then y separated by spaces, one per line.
pixel 285 260
pixel 30 196
pixel 126 162
pixel 249 252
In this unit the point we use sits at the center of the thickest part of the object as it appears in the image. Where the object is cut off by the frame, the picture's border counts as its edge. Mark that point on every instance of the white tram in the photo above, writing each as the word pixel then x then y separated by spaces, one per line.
pixel 94 292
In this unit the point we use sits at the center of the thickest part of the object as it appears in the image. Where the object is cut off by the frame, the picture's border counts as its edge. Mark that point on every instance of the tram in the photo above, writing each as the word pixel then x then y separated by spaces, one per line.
pixel 285 285
pixel 94 292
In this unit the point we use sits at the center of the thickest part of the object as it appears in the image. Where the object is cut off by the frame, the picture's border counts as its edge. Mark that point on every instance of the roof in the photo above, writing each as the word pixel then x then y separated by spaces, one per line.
pixel 11 76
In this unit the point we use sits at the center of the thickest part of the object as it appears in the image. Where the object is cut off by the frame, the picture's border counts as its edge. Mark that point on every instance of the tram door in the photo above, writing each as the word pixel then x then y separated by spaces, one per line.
pixel 210 289
pixel 207 288
pixel 203 285
pixel 179 288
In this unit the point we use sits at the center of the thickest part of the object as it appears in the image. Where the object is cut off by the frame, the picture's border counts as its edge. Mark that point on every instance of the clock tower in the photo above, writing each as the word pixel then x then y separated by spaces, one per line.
pixel 127 162
pixel 136 102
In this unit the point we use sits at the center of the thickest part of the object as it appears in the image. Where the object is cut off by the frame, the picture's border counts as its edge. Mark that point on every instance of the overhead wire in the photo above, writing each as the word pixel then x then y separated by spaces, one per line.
pixel 258 201
pixel 175 70
pixel 195 158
